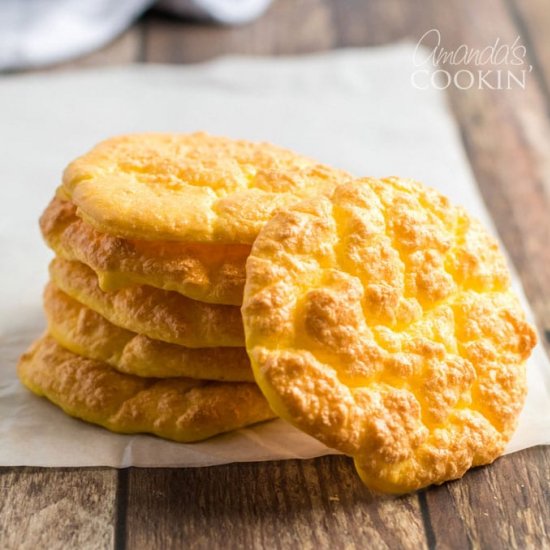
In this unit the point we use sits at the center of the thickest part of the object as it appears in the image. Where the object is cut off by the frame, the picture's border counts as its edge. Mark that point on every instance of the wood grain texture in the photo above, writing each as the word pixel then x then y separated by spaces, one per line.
pixel 505 505
pixel 57 508
pixel 376 22
pixel 532 19
pixel 293 504
pixel 289 27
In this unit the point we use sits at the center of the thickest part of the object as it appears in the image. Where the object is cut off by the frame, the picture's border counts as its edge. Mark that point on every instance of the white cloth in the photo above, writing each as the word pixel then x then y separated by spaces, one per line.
pixel 41 32
pixel 354 109
pixel 229 12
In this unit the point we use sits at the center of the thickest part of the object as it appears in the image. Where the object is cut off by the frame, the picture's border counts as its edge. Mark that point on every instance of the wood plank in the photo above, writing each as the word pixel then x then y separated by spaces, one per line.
pixel 505 505
pixel 532 17
pixel 376 22
pixel 288 27
pixel 292 504
pixel 57 508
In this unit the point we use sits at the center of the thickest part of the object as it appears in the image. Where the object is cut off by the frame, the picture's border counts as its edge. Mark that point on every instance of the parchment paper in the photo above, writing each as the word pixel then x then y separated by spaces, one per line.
pixel 355 109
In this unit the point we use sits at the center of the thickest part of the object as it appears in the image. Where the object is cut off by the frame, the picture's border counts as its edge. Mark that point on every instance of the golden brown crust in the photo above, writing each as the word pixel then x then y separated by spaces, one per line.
pixel 181 409
pixel 381 321
pixel 206 272
pixel 158 314
pixel 189 187
pixel 85 332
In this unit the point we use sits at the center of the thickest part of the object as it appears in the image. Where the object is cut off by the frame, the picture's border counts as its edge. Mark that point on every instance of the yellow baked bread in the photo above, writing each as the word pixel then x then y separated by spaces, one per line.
pixel 181 409
pixel 158 314
pixel 85 332
pixel 381 321
pixel 189 187
pixel 206 272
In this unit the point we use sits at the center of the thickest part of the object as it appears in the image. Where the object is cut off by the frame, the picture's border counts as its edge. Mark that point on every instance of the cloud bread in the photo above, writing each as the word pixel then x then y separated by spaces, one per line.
pixel 189 187
pixel 181 409
pixel 158 314
pixel 85 332
pixel 206 272
pixel 381 321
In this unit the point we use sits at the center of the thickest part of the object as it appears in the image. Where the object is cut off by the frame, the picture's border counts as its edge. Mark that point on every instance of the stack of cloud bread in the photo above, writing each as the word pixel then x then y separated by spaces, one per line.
pixel 378 317
pixel 151 234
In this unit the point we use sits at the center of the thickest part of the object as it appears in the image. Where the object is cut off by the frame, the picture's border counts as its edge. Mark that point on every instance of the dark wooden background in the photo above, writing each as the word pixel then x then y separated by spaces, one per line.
pixel 321 503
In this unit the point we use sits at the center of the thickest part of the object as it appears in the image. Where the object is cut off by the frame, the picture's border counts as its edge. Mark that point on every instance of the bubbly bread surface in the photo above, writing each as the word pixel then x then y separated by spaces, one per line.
pixel 158 314
pixel 189 187
pixel 380 320
pixel 206 272
pixel 181 409
pixel 85 332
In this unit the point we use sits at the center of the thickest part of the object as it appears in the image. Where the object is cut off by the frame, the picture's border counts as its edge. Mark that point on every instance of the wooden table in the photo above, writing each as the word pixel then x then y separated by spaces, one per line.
pixel 321 503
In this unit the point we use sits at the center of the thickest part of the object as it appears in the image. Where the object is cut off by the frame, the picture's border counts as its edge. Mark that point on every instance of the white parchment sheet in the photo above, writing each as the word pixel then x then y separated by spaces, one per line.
pixel 355 109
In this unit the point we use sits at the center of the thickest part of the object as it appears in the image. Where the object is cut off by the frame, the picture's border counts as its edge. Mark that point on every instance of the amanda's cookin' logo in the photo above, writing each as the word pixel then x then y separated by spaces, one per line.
pixel 497 66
